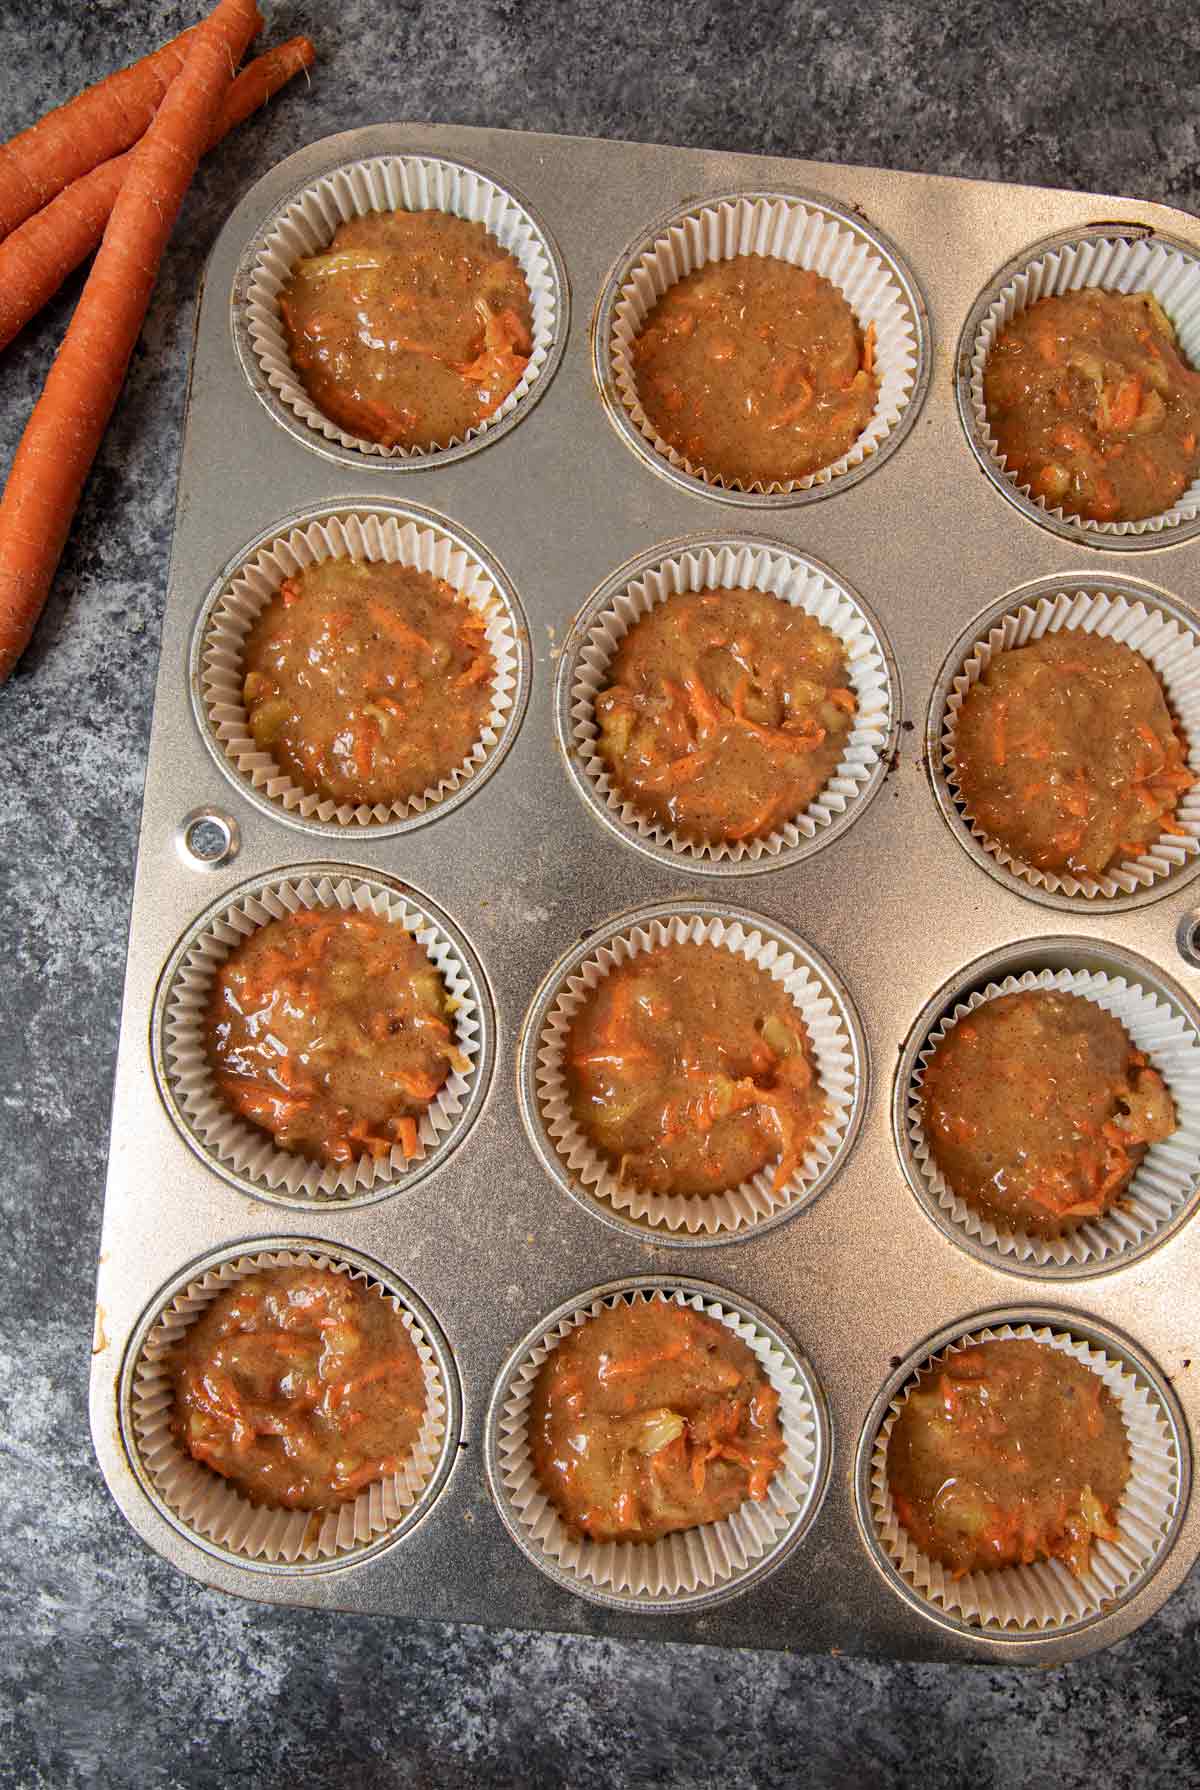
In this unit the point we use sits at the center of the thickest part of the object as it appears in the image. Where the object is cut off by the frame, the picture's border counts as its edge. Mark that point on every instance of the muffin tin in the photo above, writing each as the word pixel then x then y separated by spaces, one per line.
pixel 523 868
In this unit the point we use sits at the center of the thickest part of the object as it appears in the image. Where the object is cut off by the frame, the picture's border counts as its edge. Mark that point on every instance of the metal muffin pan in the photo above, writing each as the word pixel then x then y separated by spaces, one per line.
pixel 862 1278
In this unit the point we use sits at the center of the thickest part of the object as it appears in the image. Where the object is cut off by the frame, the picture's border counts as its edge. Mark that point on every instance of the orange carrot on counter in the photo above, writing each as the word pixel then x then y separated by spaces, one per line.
pixel 63 434
pixel 37 257
pixel 98 123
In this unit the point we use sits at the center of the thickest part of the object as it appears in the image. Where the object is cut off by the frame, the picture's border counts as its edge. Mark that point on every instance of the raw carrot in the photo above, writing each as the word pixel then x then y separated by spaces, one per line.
pixel 96 124
pixel 63 435
pixel 37 257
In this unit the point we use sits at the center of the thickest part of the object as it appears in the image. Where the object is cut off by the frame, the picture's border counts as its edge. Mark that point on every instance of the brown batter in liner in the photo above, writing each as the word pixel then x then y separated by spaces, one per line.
pixel 1094 407
pixel 368 682
pixel 300 1386
pixel 726 713
pixel 690 1069
pixel 1038 1109
pixel 756 371
pixel 651 1418
pixel 1065 751
pixel 1006 1453
pixel 411 329
pixel 332 1032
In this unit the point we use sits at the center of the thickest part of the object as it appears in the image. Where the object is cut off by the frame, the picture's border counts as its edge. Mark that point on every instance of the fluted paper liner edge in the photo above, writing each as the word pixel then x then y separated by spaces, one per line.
pixel 1173 653
pixel 1164 1179
pixel 793 580
pixel 1047 1596
pixel 743 1207
pixel 1114 264
pixel 792 230
pixel 654 1574
pixel 210 1505
pixel 366 539
pixel 306 226
pixel 189 1079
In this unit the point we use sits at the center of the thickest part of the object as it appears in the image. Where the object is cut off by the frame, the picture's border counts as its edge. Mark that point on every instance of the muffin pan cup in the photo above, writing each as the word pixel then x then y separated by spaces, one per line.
pixel 384 536
pixel 736 563
pixel 1166 637
pixel 1166 1183
pixel 1113 261
pixel 807 232
pixel 1045 1597
pixel 210 1510
pixel 834 1036
pixel 247 1154
pixel 524 874
pixel 305 225
pixel 694 1568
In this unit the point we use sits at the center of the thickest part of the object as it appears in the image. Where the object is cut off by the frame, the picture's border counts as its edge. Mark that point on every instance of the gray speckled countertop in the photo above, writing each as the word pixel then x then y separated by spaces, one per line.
pixel 114 1669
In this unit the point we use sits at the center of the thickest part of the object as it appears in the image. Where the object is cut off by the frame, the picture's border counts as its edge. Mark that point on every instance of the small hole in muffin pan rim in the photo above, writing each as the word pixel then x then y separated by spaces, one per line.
pixel 1104 1336
pixel 380 1275
pixel 1155 599
pixel 1050 953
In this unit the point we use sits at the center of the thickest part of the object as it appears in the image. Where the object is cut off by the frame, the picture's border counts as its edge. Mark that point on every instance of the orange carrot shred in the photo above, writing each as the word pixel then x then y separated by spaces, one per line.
pixel 62 436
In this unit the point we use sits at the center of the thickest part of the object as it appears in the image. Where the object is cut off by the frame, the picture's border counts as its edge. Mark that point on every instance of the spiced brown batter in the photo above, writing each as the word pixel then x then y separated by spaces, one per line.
pixel 1007 1453
pixel 1038 1109
pixel 651 1418
pixel 1066 752
pixel 691 1069
pixel 368 682
pixel 331 1031
pixel 1093 405
pixel 300 1386
pixel 411 328
pixel 726 713
pixel 756 370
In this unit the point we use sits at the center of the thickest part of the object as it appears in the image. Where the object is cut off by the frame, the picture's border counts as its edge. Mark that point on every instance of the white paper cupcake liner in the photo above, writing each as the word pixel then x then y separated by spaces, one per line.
pixel 305 225
pixel 1165 1180
pixel 692 1565
pixel 1114 264
pixel 754 1202
pixel 806 234
pixel 595 638
pixel 245 1153
pixel 378 538
pixel 1021 1600
pixel 209 1506
pixel 1173 653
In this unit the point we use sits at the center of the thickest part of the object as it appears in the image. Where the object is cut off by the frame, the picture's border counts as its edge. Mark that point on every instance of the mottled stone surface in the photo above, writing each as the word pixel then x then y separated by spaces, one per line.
pixel 113 1668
